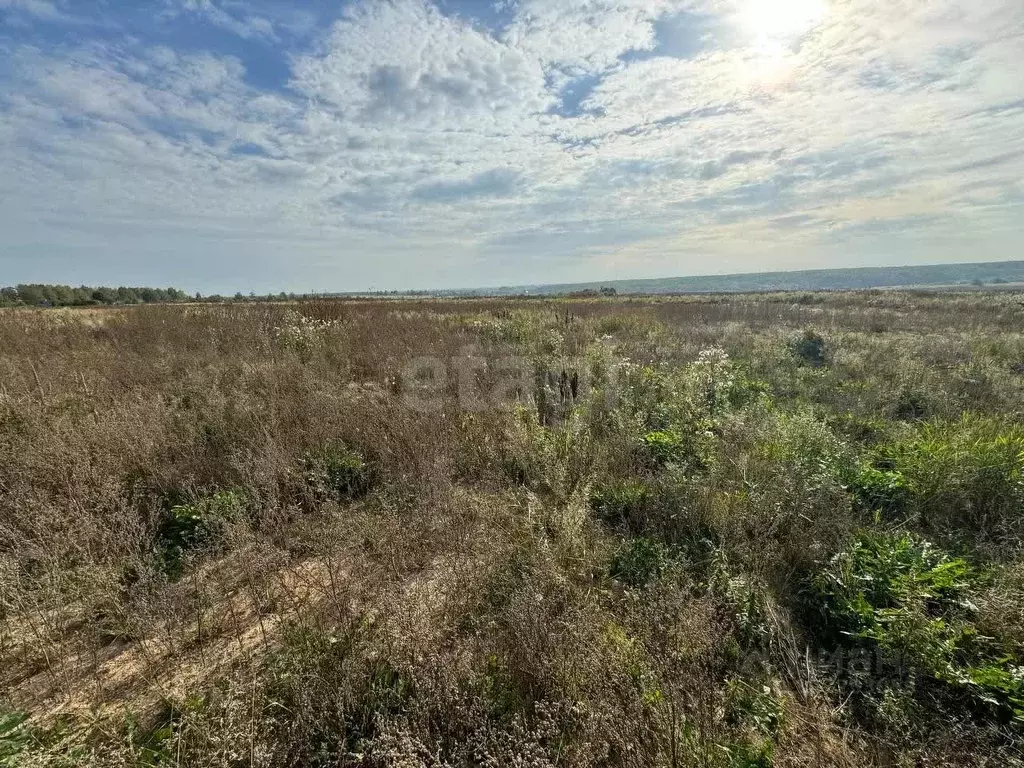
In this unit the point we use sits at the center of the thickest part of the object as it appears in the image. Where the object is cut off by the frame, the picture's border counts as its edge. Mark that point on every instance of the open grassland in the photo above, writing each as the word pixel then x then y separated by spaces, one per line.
pixel 711 531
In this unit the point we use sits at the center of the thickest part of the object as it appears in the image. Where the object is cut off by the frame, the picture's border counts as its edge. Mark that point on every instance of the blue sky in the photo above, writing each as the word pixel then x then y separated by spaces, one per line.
pixel 223 145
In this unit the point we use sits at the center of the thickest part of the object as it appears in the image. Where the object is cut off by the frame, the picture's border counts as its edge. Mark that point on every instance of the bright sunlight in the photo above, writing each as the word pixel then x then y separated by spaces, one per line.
pixel 778 22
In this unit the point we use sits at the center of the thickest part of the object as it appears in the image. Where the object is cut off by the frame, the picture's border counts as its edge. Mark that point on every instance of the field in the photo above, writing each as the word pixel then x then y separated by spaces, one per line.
pixel 736 531
pixel 999 275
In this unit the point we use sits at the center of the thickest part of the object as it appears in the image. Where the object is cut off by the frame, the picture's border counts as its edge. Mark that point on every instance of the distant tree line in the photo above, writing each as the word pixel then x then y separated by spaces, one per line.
pixel 45 295
pixel 42 295
pixel 587 293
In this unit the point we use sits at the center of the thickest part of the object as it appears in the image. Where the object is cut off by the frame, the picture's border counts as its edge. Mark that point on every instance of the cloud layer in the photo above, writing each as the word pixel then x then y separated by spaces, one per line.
pixel 218 145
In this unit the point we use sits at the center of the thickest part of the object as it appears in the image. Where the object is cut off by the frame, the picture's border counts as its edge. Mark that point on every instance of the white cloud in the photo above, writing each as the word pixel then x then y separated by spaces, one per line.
pixel 583 34
pixel 247 26
pixel 43 9
pixel 406 61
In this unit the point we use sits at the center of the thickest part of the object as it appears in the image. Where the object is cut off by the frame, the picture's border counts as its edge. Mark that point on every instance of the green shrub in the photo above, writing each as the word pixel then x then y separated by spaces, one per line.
pixel 554 461
pixel 882 573
pixel 961 477
pixel 880 490
pixel 613 324
pixel 750 756
pixel 667 447
pixel 652 397
pixel 757 706
pixel 15 738
pixel 746 389
pixel 621 504
pixel 641 560
pixel 337 472
pixel 899 593
pixel 757 710
pixel 810 349
pixel 910 404
pixel 196 527
pixel 747 602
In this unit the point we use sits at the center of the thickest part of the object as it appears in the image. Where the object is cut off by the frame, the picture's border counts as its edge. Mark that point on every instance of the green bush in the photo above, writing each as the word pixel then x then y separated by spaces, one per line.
pixel 196 527
pixel 810 349
pixel 746 389
pixel 621 504
pixel 15 738
pixel 337 472
pixel 652 396
pixel 881 573
pixel 757 710
pixel 910 404
pixel 952 478
pixel 901 594
pixel 667 447
pixel 880 490
pixel 641 560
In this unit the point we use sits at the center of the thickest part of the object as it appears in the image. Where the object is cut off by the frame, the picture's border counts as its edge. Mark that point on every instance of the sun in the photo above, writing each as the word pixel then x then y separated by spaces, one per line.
pixel 775 23
pixel 772 29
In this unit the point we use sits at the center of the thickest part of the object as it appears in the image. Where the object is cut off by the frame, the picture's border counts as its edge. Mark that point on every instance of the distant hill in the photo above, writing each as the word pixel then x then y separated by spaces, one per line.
pixel 930 276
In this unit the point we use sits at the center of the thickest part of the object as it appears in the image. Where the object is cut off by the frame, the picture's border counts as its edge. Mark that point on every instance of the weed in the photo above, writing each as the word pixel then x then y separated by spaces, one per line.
pixel 910 598
pixel 962 477
pixel 640 560
pixel 883 490
pixel 337 472
pixel 374 583
pixel 757 710
pixel 810 349
pixel 15 738
pixel 196 528
pixel 622 503
pixel 664 448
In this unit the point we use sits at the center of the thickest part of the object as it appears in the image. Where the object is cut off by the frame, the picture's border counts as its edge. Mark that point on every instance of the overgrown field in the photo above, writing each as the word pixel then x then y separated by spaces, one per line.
pixel 776 530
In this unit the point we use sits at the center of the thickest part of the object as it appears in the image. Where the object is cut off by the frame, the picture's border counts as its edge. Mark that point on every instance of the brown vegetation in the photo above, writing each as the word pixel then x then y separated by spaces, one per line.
pixel 253 534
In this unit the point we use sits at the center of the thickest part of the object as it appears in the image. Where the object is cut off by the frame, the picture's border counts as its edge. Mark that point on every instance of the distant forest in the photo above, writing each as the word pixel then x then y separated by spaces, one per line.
pixel 36 294
pixel 41 295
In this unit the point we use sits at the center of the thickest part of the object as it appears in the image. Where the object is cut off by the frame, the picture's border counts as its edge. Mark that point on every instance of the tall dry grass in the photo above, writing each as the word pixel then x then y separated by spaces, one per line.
pixel 235 535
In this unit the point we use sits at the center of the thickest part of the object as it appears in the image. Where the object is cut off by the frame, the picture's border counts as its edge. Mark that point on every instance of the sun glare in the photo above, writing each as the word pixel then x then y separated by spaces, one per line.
pixel 771 28
pixel 772 23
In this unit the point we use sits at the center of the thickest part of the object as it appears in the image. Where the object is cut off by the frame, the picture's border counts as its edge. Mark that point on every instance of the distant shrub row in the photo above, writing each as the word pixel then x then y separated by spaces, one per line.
pixel 35 295
pixel 42 295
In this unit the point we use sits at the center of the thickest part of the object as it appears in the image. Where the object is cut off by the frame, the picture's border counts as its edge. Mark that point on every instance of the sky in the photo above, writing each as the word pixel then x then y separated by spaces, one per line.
pixel 222 145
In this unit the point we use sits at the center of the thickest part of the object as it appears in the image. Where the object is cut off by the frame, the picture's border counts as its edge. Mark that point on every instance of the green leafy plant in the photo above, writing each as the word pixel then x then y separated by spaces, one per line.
pixel 900 593
pixel 338 472
pixel 196 527
pixel 641 560
pixel 881 573
pixel 964 476
pixel 882 490
pixel 15 738
pixel 758 710
pixel 666 447
pixel 810 349
pixel 621 503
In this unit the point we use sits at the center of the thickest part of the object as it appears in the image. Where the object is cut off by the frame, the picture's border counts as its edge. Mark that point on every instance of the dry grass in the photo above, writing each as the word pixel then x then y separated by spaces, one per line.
pixel 182 583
